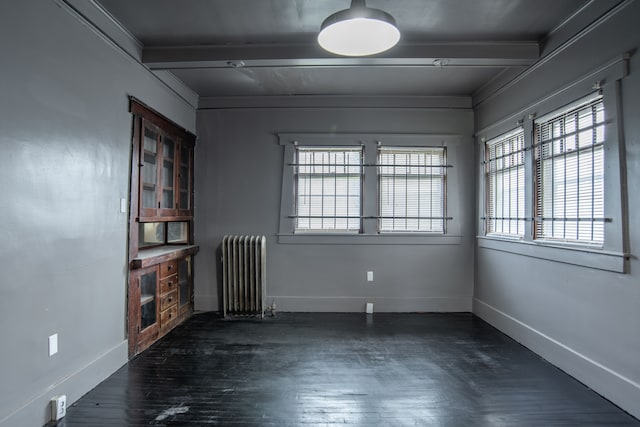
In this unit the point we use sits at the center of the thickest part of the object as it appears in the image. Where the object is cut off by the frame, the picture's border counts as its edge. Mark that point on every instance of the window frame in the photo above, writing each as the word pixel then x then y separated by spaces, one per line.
pixel 297 173
pixel 369 202
pixel 443 186
pixel 539 216
pixel 613 255
pixel 520 197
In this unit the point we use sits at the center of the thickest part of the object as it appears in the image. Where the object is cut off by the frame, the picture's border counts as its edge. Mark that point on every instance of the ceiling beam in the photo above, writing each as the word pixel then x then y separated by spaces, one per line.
pixel 471 54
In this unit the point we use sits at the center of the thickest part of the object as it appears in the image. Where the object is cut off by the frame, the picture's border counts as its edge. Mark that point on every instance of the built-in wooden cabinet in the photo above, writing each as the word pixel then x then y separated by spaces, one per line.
pixel 161 295
pixel 161 249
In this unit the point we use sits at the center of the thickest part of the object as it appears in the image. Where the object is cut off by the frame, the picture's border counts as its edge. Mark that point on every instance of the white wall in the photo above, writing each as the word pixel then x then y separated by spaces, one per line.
pixel 585 321
pixel 65 136
pixel 239 166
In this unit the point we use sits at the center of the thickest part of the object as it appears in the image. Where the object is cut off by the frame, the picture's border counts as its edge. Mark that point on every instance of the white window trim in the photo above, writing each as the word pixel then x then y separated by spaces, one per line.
pixel 390 177
pixel 499 138
pixel 370 234
pixel 613 255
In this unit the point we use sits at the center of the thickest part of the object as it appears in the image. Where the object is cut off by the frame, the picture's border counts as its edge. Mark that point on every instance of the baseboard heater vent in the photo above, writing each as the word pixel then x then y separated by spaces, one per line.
pixel 244 275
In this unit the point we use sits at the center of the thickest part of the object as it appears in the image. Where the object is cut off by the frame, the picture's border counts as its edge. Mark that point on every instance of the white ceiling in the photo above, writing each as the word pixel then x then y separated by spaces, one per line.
pixel 274 40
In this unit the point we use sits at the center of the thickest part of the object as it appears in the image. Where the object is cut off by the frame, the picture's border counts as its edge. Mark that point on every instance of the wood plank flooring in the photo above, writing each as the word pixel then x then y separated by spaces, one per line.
pixel 319 369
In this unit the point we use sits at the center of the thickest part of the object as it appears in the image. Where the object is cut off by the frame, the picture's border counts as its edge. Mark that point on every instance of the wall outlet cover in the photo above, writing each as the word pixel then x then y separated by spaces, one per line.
pixel 369 308
pixel 58 407
pixel 370 276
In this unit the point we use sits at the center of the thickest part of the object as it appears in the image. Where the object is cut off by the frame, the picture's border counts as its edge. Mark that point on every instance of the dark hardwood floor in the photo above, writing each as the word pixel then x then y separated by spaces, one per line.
pixel 328 369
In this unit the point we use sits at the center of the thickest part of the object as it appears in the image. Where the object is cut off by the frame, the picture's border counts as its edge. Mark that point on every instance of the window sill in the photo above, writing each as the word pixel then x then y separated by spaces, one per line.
pixel 367 239
pixel 583 256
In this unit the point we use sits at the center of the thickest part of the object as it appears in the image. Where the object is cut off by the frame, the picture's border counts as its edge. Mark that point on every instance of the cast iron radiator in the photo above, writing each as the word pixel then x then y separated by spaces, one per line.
pixel 244 275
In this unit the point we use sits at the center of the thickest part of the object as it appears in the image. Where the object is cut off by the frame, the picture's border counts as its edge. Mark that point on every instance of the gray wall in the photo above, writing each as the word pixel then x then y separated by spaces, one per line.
pixel 239 166
pixel 585 321
pixel 65 135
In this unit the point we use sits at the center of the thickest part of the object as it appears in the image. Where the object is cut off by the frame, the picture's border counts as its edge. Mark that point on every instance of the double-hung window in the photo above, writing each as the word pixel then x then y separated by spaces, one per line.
pixel 504 183
pixel 575 191
pixel 569 173
pixel 328 187
pixel 360 188
pixel 411 186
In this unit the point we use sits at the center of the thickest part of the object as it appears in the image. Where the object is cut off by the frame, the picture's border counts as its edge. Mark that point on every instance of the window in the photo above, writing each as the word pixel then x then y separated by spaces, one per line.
pixel 575 189
pixel 382 189
pixel 504 183
pixel 328 183
pixel 569 173
pixel 411 188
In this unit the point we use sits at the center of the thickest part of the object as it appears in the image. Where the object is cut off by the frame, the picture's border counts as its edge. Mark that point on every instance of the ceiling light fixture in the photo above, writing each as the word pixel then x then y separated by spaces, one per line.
pixel 358 31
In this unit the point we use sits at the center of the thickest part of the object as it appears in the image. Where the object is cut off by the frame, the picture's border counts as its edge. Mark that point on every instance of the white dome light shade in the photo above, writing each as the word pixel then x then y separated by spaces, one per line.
pixel 358 31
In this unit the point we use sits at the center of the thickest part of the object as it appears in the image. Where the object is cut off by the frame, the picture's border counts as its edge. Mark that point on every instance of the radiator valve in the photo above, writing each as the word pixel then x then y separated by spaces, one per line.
pixel 272 308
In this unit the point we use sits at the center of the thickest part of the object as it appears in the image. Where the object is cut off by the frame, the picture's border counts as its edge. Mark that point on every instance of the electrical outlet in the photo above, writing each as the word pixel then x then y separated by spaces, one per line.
pixel 369 308
pixel 123 205
pixel 53 344
pixel 369 276
pixel 58 407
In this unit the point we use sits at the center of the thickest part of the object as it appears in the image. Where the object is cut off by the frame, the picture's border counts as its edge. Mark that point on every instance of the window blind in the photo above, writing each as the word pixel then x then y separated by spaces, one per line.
pixel 412 189
pixel 570 173
pixel 328 187
pixel 504 179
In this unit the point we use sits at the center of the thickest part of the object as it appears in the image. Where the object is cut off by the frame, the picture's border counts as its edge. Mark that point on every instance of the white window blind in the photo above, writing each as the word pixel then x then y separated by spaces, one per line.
pixel 570 173
pixel 504 183
pixel 328 189
pixel 412 189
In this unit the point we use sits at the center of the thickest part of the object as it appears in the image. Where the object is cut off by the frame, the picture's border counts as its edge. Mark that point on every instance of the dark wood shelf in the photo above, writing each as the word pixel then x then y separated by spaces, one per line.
pixel 157 255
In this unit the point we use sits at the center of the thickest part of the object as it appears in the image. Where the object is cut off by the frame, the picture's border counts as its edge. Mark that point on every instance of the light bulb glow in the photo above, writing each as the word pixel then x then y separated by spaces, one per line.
pixel 358 37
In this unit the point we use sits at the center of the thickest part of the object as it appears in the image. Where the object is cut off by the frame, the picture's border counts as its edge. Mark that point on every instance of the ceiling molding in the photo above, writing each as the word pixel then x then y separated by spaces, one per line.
pixel 581 19
pixel 101 22
pixel 97 19
pixel 472 54
pixel 328 101
pixel 618 8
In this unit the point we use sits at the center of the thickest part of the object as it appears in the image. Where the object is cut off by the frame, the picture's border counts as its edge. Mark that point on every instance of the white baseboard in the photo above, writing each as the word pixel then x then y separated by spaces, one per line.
pixel 618 389
pixel 36 411
pixel 380 304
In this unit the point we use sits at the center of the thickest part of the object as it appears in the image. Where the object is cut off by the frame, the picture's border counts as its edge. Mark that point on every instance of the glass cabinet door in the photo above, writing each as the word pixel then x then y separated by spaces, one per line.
pixel 149 172
pixel 168 160
pixel 184 284
pixel 148 306
pixel 184 179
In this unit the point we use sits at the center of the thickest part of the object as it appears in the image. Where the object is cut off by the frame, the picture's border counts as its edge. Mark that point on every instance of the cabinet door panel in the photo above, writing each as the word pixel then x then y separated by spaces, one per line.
pixel 185 286
pixel 148 301
pixel 149 156
pixel 168 171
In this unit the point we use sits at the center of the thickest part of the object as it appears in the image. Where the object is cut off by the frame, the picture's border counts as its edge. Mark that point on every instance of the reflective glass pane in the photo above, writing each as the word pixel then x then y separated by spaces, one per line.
pixel 150 233
pixel 178 232
pixel 148 284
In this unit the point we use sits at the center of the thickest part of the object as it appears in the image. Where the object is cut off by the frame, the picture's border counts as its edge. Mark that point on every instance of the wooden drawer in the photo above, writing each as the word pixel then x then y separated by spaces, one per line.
pixel 169 299
pixel 168 316
pixel 168 268
pixel 168 284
